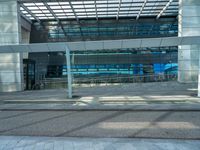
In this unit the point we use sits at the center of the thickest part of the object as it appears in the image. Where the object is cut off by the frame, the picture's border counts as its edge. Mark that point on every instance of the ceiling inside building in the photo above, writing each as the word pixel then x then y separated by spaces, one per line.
pixel 96 9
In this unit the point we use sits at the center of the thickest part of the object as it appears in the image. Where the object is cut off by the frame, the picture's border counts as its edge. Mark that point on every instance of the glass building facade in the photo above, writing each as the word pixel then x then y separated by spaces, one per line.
pixel 129 65
pixel 105 29
pixel 118 65
pixel 96 20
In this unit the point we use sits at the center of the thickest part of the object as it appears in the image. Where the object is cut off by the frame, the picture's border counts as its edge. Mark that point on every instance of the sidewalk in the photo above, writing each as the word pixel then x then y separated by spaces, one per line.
pixel 138 96
pixel 53 143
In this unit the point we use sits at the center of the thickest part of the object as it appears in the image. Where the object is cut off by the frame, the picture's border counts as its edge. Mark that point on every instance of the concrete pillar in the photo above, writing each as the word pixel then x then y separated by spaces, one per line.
pixel 69 73
pixel 11 71
pixel 199 78
pixel 188 55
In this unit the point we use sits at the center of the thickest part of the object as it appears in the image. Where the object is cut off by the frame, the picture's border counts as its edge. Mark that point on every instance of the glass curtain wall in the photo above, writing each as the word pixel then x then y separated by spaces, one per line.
pixel 118 66
pixel 111 66
pixel 107 29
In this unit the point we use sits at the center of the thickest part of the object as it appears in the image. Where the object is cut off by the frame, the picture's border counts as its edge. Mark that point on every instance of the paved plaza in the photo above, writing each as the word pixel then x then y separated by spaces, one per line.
pixel 49 143
pixel 164 95
pixel 165 116
pixel 102 124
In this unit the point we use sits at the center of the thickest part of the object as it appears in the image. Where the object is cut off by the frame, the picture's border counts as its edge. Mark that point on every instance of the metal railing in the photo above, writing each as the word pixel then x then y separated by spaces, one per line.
pixel 49 83
pixel 127 79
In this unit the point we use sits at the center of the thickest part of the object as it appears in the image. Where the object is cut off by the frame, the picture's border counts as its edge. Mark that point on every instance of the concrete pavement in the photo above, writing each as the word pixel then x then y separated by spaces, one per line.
pixel 110 118
pixel 137 96
pixel 102 124
pixel 52 143
pixel 112 107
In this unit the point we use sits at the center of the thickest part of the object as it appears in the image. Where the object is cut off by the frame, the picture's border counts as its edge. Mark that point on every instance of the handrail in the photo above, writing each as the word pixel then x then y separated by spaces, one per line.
pixel 42 84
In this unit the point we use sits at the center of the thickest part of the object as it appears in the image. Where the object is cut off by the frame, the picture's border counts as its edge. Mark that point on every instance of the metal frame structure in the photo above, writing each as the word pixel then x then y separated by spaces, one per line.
pixel 22 7
pixel 142 8
pixel 103 29
pixel 99 45
pixel 58 20
pixel 165 8
pixel 96 9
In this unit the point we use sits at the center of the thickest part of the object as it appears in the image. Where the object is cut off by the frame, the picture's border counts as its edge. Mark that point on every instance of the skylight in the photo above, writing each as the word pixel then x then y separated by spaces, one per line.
pixel 98 9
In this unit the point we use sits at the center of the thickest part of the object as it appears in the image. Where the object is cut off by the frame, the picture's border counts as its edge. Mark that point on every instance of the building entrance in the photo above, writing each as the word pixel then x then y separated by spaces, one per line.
pixel 29 74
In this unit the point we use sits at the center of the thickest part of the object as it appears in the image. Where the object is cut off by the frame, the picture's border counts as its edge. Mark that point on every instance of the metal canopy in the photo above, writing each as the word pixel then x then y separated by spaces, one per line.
pixel 83 9
pixel 101 45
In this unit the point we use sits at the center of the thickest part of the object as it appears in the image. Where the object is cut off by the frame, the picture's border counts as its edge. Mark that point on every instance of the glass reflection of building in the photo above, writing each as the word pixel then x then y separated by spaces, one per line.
pixel 109 63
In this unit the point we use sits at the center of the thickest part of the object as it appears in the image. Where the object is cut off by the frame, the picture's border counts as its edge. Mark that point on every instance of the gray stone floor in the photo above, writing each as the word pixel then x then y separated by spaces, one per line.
pixel 102 124
pixel 52 143
pixel 165 95
pixel 152 116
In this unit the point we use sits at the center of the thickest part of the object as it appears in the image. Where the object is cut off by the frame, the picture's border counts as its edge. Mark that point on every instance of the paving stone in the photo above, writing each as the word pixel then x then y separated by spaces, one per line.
pixel 157 96
pixel 83 145
pixel 49 146
pixel 53 143
pixel 59 145
pixel 68 145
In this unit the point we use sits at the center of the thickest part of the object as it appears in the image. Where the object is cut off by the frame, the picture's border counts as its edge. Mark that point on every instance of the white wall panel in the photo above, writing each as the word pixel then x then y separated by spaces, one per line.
pixel 112 44
pixel 58 47
pixel 76 45
pixel 10 33
pixel 149 42
pixel 172 41
pixel 92 45
pixel 131 43
pixel 189 25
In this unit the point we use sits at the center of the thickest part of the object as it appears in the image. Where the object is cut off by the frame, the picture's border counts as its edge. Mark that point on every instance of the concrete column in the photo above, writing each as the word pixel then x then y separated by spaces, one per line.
pixel 11 71
pixel 69 75
pixel 199 78
pixel 188 55
pixel 25 34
